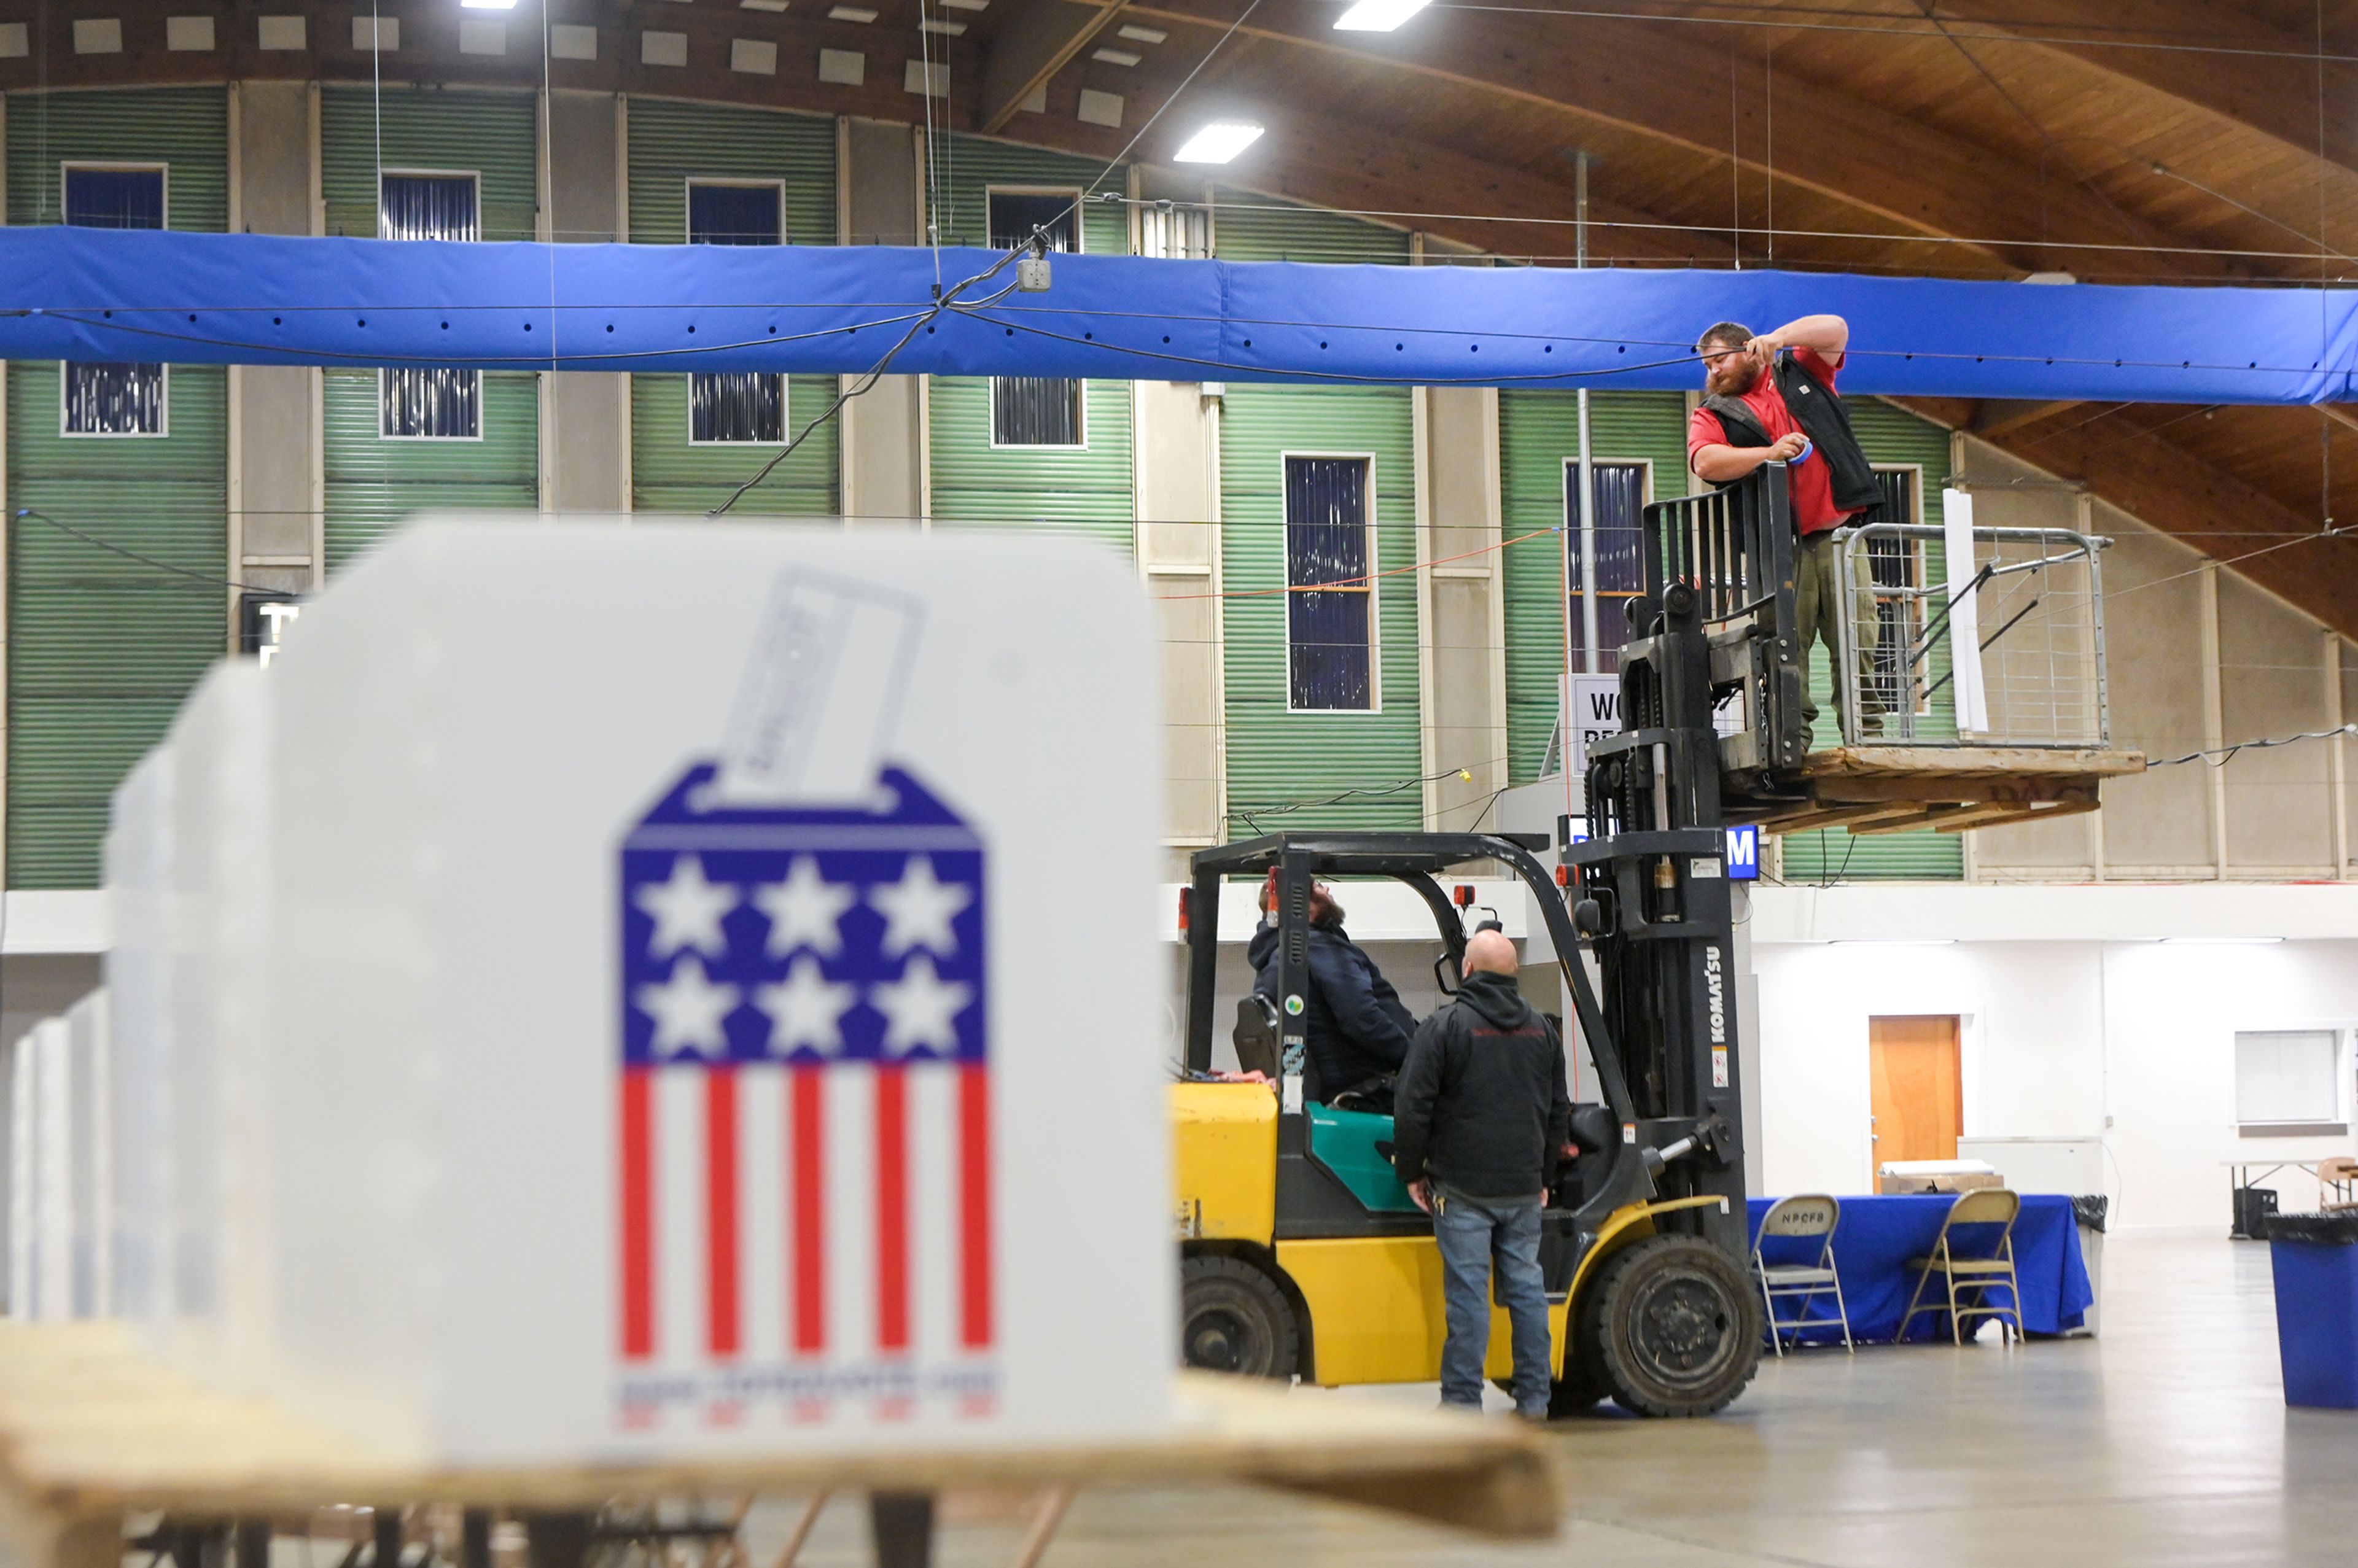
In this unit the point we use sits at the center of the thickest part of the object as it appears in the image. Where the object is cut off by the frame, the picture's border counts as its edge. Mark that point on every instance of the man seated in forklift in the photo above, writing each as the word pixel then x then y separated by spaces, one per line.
pixel 1482 1120
pixel 1354 1025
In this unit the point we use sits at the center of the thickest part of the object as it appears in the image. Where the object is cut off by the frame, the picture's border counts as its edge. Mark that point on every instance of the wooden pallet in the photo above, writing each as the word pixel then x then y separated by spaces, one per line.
pixel 91 1430
pixel 1908 789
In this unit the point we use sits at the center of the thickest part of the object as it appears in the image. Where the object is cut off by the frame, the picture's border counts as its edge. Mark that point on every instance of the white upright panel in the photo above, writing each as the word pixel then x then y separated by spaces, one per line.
pixel 23 1169
pixel 52 1171
pixel 718 995
pixel 138 852
pixel 215 926
pixel 90 1177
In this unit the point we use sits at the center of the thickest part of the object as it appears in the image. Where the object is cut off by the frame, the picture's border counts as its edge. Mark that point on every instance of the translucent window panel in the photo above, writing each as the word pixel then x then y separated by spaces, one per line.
pixel 1330 643
pixel 2288 1076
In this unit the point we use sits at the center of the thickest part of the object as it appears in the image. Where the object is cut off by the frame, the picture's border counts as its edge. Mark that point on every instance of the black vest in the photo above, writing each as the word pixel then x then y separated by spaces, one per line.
pixel 1819 413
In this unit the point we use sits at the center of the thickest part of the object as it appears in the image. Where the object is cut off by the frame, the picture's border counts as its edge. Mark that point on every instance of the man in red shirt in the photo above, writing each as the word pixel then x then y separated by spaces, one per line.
pixel 1752 424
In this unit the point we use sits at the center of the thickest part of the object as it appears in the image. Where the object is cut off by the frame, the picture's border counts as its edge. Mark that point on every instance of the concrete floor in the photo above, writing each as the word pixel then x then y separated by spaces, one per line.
pixel 2166 1442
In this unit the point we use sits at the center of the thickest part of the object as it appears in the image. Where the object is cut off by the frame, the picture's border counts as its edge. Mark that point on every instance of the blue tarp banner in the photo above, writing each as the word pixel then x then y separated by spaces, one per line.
pixel 115 295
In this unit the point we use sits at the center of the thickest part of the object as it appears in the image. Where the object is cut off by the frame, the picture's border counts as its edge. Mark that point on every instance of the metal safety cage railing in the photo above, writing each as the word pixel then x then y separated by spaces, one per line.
pixel 1735 548
pixel 2005 649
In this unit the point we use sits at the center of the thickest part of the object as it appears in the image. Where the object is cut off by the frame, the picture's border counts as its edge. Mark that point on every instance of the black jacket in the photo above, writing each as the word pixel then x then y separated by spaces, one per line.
pixel 1353 1025
pixel 1819 413
pixel 1481 1106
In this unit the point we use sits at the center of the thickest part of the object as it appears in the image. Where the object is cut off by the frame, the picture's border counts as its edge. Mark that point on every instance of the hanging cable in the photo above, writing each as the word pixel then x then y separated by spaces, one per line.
pixel 2219 756
pixel 131 555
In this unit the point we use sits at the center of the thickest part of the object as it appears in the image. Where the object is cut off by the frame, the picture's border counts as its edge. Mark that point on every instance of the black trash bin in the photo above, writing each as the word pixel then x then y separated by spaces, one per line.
pixel 2253 1207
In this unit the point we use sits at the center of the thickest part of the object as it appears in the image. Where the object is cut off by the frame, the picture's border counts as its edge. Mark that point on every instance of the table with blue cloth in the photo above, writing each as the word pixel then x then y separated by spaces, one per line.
pixel 1875 1236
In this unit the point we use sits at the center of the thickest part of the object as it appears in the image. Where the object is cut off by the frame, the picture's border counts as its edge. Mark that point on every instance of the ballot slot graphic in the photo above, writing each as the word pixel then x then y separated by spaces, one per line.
pixel 805 1225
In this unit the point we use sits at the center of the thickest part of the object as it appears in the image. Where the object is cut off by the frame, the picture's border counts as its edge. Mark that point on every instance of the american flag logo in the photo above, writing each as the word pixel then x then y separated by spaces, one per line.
pixel 804 1116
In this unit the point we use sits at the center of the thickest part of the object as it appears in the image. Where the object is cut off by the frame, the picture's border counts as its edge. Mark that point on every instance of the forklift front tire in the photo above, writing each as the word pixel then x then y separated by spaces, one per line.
pixel 1234 1319
pixel 1678 1327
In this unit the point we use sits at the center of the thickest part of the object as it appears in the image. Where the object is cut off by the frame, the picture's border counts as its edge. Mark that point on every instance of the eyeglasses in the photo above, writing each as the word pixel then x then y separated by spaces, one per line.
pixel 1712 362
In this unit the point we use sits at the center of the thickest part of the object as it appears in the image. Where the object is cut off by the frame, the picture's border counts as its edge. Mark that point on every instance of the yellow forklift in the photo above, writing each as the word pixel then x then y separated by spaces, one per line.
pixel 1301 1251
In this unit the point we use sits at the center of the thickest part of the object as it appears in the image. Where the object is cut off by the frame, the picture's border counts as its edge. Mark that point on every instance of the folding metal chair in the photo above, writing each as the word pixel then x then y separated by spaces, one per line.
pixel 2335 1178
pixel 1799 1218
pixel 1969 1276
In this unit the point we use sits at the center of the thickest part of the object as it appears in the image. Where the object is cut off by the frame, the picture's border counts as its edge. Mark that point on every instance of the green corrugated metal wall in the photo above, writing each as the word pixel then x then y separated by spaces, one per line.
pixel 427 128
pixel 671 143
pixel 1277 758
pixel 186 127
pixel 103 649
pixel 1537 433
pixel 1086 490
pixel 1888 435
pixel 669 473
pixel 373 483
pixel 967 166
pixel 1249 227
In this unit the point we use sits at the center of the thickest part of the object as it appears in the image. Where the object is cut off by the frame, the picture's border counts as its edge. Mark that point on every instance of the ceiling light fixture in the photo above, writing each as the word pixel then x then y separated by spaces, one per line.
pixel 1218 142
pixel 1378 15
pixel 487 5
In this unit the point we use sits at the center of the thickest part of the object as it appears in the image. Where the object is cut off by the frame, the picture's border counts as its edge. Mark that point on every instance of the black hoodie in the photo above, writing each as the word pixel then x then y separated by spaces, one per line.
pixel 1481 1106
pixel 1353 1024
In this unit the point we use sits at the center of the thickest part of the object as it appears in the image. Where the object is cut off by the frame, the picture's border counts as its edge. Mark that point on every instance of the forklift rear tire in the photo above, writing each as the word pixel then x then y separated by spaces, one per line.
pixel 1234 1319
pixel 1677 1328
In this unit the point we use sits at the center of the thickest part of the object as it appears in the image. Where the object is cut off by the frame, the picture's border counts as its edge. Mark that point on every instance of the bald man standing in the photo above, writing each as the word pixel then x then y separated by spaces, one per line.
pixel 1480 1116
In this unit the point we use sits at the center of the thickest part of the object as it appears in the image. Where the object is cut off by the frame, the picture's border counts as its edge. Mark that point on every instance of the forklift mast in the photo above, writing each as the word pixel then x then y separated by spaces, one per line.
pixel 1651 891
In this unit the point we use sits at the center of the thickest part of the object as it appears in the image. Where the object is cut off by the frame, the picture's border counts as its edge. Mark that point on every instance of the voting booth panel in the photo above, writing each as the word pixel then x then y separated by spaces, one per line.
pixel 716 1001
pixel 40 1216
pixel 59 1264
pixel 137 860
pixel 89 1149
pixel 217 891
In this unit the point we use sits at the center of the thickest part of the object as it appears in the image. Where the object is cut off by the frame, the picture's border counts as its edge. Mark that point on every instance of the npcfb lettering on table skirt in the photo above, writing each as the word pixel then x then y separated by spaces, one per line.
pixel 735 952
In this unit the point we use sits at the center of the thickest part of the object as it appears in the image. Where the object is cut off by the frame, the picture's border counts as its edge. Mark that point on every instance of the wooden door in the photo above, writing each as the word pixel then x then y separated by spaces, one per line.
pixel 1918 1100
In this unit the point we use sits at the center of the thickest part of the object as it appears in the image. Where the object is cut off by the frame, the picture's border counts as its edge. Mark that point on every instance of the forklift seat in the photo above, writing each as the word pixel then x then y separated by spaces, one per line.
pixel 1256 1034
pixel 1595 1134
pixel 1593 1128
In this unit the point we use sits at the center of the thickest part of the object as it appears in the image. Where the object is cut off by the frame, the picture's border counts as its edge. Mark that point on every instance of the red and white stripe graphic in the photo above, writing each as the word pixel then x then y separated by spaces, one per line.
pixel 811 1239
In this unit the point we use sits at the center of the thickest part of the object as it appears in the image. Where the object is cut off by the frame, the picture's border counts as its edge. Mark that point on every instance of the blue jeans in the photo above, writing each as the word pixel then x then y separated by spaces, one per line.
pixel 1473 1233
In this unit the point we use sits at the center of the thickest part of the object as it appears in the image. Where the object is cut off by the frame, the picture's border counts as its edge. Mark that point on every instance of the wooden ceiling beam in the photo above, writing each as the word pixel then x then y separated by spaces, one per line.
pixel 1997 416
pixel 2160 483
pixel 1642 78
pixel 1031 45
pixel 2261 77
pixel 1344 165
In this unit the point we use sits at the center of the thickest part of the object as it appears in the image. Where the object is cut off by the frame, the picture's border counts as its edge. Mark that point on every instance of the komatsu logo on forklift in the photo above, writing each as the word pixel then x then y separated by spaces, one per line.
pixel 1716 987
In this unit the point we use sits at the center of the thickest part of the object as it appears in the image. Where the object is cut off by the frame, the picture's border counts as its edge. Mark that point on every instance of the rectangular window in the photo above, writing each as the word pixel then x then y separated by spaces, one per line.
pixel 1036 410
pixel 113 399
pixel 429 402
pixel 727 212
pixel 1618 494
pixel 1330 628
pixel 744 406
pixel 2288 1082
pixel 1902 666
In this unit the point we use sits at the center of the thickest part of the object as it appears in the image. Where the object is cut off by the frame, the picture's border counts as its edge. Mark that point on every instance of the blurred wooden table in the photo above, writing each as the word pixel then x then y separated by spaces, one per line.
pixel 92 1429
